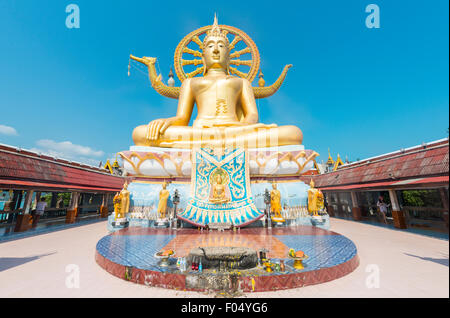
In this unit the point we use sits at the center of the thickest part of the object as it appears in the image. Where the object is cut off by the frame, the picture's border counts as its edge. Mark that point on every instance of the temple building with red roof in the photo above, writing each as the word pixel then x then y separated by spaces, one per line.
pixel 414 182
pixel 70 189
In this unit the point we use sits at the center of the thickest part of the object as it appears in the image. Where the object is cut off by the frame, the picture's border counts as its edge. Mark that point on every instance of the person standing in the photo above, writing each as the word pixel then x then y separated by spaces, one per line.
pixel 382 206
pixel 40 208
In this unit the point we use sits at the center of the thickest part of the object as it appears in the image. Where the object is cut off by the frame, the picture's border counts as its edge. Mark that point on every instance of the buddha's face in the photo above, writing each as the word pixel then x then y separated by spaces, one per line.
pixel 219 179
pixel 215 53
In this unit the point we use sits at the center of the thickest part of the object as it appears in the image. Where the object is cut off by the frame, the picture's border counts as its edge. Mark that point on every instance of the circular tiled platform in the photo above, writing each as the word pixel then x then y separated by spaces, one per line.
pixel 129 254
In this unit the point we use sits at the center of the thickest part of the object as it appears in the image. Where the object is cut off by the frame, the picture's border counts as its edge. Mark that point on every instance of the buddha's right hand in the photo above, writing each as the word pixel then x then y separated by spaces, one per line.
pixel 157 127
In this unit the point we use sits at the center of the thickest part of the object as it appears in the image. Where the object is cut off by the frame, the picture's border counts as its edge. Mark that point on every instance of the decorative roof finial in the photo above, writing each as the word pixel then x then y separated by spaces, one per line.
pixel 171 80
pixel 261 81
pixel 330 159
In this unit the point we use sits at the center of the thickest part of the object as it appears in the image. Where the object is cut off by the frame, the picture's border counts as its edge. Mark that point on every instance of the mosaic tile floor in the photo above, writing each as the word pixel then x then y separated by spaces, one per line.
pixel 330 255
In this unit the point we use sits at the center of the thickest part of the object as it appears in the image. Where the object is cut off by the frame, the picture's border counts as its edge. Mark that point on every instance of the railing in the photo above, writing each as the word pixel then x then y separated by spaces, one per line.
pixel 342 210
pixel 371 212
pixel 294 212
pixel 425 213
pixel 148 212
pixel 9 216
pixel 91 208
pixel 53 213
pixel 425 217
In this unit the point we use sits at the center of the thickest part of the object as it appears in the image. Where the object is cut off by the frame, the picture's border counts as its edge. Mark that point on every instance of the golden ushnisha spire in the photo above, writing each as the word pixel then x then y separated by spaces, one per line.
pixel 216 31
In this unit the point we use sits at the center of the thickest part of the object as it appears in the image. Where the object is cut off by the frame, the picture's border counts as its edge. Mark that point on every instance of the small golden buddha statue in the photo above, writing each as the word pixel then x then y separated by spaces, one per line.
pixel 116 201
pixel 315 199
pixel 121 202
pixel 227 113
pixel 219 194
pixel 125 199
pixel 275 201
pixel 162 204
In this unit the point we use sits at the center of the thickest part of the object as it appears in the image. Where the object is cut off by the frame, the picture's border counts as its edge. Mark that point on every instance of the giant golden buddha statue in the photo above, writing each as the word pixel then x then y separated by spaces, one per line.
pixel 227 112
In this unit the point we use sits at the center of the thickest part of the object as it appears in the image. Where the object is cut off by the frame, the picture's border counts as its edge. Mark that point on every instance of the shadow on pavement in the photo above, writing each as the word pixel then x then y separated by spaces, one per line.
pixel 442 261
pixel 10 262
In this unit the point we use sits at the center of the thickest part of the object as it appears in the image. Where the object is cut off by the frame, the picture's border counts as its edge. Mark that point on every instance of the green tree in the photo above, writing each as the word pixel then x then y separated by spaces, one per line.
pixel 422 198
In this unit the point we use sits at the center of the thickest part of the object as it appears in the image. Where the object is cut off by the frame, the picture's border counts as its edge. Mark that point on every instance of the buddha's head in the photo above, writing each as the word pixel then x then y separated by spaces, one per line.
pixel 218 179
pixel 215 49
pixel 274 186
pixel 311 184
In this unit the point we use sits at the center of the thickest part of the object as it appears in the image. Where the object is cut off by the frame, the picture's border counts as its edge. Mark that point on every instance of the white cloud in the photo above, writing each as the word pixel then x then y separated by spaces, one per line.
pixel 68 150
pixel 7 130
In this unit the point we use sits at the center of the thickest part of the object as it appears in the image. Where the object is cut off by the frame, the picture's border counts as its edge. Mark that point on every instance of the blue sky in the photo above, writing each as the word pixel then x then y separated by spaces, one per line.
pixel 360 92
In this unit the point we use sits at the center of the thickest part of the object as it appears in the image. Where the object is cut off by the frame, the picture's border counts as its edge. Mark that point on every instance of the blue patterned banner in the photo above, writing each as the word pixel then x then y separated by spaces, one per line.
pixel 220 189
